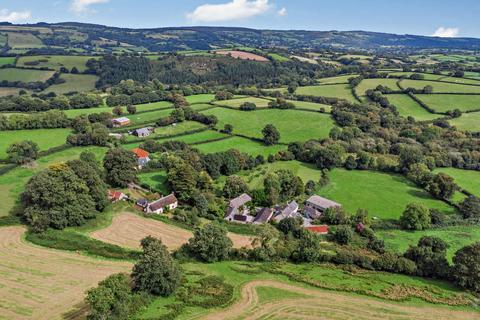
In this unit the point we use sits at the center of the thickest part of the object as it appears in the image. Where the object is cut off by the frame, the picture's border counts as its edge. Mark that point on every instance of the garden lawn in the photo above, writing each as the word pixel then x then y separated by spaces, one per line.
pixel 24 75
pixel 155 180
pixel 337 80
pixel 384 195
pixel 45 138
pixel 406 106
pixel 446 102
pixel 200 98
pixel 73 83
pixel 56 62
pixel 341 91
pixel 440 86
pixel 468 122
pixel 245 145
pixel 310 105
pixel 13 182
pixel 236 103
pixel 293 125
pixel 467 179
pixel 456 237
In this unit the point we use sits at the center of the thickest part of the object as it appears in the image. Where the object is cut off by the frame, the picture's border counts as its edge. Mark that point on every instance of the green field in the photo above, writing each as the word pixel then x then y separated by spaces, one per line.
pixel 467 179
pixel 200 98
pixel 13 182
pixel 7 60
pixel 277 57
pixel 456 236
pixel 310 105
pixel 4 91
pixel 241 144
pixel 443 87
pixel 468 122
pixel 341 91
pixel 46 138
pixel 368 84
pixel 156 180
pixel 339 79
pixel 56 62
pixel 294 125
pixel 18 40
pixel 446 102
pixel 236 103
pixel 148 117
pixel 426 76
pixel 74 83
pixel 460 80
pixel 384 195
pixel 406 106
pixel 13 74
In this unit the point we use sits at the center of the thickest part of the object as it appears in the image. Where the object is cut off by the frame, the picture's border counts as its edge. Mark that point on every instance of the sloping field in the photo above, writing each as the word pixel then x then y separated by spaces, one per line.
pixel 323 304
pixel 24 75
pixel 46 138
pixel 7 60
pixel 368 84
pixel 73 83
pixel 468 121
pixel 18 40
pixel 127 229
pixel 426 76
pixel 242 144
pixel 200 98
pixel 467 179
pixel 55 62
pixel 38 283
pixel 242 55
pixel 440 86
pixel 406 106
pixel 339 79
pixel 4 92
pixel 236 103
pixel 446 102
pixel 294 125
pixel 341 91
pixel 311 105
pixel 460 80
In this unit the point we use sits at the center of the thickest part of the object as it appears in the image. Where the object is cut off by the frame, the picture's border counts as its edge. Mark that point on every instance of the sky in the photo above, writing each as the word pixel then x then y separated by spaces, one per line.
pixel 444 18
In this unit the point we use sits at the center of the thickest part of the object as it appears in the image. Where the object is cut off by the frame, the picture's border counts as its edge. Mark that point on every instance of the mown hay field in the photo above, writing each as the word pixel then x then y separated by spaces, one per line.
pixel 42 284
pixel 406 107
pixel 341 91
pixel 236 103
pixel 17 40
pixel 24 75
pixel 447 102
pixel 293 125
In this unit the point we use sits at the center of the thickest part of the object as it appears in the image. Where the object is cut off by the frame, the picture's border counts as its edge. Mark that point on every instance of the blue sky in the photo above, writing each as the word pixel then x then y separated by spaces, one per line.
pixel 423 17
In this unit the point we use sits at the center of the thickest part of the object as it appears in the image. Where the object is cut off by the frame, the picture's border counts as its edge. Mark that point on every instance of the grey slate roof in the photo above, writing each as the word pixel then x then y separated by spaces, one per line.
pixel 264 215
pixel 239 201
pixel 322 202
pixel 162 202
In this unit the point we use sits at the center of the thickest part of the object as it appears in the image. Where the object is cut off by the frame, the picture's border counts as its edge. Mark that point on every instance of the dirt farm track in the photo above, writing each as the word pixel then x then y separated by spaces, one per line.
pixel 39 283
pixel 127 229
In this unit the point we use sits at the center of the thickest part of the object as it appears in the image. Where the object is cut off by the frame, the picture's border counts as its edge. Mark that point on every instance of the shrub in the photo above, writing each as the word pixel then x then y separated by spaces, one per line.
pixel 415 217
pixel 343 235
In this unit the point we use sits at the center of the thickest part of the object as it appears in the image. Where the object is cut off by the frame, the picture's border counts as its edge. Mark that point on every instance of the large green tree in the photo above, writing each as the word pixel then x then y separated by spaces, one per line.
pixel 466 267
pixel 120 166
pixel 430 257
pixel 271 135
pixel 210 243
pixel 234 186
pixel 156 272
pixel 22 152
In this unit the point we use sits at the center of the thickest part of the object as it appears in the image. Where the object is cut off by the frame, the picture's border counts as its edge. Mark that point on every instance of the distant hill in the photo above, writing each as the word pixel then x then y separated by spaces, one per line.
pixel 82 36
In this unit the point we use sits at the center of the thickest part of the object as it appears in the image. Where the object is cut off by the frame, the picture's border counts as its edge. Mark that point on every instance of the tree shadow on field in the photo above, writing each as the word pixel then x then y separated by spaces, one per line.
pixel 79 311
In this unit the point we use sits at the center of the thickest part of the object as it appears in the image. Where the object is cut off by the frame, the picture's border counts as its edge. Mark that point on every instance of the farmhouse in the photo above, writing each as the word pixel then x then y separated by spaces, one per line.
pixel 237 211
pixel 263 216
pixel 316 205
pixel 143 132
pixel 120 122
pixel 142 157
pixel 169 202
pixel 115 196
pixel 290 211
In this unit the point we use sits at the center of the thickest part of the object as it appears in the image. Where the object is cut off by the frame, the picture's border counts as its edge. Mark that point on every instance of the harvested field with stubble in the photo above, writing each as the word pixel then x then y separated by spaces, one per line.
pixel 242 55
pixel 127 229
pixel 38 283
pixel 317 304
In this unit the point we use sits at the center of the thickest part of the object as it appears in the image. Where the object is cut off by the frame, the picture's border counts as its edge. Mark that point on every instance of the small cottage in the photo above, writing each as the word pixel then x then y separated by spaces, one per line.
pixel 121 122
pixel 142 157
pixel 169 202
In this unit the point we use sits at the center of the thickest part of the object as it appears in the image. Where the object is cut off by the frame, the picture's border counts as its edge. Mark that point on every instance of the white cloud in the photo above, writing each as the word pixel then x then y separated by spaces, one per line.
pixel 14 16
pixel 234 10
pixel 82 6
pixel 282 12
pixel 446 32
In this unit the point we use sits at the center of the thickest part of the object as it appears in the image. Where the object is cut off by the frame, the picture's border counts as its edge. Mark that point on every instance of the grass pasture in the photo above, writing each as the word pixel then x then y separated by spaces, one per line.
pixel 368 84
pixel 468 122
pixel 45 138
pixel 236 103
pixel 7 60
pixel 443 87
pixel 17 40
pixel 406 106
pixel 337 80
pixel 200 98
pixel 341 91
pixel 310 105
pixel 456 237
pixel 426 76
pixel 242 144
pixel 55 62
pixel 4 92
pixel 294 125
pixel 74 83
pixel 446 102
pixel 13 74
pixel 39 283
pixel 460 80
pixel 467 179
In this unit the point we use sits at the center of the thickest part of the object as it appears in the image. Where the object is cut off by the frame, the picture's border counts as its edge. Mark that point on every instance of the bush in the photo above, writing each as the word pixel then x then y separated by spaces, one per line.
pixel 210 243
pixel 343 235
pixel 415 217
